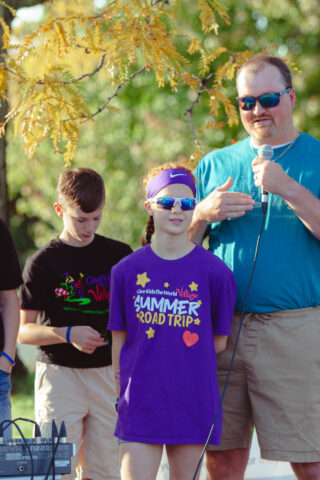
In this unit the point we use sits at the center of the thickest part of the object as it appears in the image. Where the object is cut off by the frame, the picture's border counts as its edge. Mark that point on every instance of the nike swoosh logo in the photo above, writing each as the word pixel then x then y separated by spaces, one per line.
pixel 172 175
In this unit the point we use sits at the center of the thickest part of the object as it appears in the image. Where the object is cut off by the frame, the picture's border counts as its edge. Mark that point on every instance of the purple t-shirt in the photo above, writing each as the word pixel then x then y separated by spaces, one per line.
pixel 170 310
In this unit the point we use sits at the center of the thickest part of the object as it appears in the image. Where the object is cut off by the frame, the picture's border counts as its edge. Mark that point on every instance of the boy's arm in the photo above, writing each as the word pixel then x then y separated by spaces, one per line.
pixel 220 343
pixel 84 338
pixel 10 317
pixel 118 339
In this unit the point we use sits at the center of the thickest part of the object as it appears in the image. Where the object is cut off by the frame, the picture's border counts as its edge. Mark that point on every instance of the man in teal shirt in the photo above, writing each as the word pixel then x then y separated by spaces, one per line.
pixel 275 381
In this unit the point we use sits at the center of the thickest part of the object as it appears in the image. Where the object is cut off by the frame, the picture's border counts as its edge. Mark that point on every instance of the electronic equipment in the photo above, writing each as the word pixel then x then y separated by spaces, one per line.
pixel 38 458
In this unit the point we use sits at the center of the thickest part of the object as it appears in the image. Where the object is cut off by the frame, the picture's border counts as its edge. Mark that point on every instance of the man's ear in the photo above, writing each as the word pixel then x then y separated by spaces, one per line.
pixel 147 206
pixel 58 209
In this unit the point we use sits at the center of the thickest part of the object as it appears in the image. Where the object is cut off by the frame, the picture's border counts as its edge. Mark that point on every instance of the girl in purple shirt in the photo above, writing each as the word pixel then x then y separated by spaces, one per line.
pixel 170 314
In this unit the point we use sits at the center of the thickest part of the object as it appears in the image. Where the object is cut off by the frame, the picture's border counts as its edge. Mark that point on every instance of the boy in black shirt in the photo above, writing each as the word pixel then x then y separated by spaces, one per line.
pixel 67 284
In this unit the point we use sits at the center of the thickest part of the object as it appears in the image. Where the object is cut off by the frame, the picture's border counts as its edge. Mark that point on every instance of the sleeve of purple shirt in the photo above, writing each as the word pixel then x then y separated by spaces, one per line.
pixel 224 292
pixel 117 320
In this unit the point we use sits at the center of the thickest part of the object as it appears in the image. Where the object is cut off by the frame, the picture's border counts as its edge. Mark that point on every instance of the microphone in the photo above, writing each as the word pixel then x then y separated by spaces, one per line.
pixel 265 152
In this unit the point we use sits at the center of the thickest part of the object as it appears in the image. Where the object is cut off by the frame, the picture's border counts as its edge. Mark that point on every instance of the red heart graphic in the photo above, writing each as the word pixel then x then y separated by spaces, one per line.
pixel 190 338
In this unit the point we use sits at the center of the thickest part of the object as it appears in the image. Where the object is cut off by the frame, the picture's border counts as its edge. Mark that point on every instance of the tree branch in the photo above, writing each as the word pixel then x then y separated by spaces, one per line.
pixel 96 70
pixel 115 93
pixel 189 111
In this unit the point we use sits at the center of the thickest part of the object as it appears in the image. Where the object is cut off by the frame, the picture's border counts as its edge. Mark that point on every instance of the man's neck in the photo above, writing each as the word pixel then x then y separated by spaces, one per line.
pixel 254 145
pixel 275 144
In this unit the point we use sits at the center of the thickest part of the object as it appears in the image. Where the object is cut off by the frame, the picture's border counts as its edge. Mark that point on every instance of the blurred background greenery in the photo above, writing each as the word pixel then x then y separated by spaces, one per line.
pixel 23 404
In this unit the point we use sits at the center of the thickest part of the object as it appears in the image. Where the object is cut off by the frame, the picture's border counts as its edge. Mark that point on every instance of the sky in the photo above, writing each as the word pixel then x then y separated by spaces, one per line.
pixel 32 14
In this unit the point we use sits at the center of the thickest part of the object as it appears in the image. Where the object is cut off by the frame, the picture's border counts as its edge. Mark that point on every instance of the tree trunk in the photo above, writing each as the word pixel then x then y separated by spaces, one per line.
pixel 7 16
pixel 4 203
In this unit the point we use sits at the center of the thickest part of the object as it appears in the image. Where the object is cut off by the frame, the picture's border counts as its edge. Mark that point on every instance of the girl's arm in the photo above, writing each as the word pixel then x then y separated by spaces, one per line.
pixel 220 343
pixel 118 339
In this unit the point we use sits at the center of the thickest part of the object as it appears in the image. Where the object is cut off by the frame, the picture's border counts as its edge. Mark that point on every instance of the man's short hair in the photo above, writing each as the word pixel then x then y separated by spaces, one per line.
pixel 82 188
pixel 257 62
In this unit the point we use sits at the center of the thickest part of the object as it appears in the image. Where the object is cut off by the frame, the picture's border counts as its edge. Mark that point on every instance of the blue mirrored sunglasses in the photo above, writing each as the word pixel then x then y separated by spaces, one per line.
pixel 267 100
pixel 166 203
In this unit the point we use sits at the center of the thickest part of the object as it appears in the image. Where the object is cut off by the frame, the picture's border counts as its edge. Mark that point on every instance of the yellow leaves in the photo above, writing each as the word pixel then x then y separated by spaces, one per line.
pixel 226 71
pixel 77 43
pixel 146 31
pixel 215 97
pixel 70 133
pixel 194 46
pixel 3 82
pixel 221 9
pixel 241 57
pixel 190 80
pixel 215 125
pixel 208 10
pixel 195 157
pixel 97 35
pixel 218 97
pixel 50 108
pixel 207 17
pixel 231 112
pixel 61 38
pixel 208 58
pixel 6 34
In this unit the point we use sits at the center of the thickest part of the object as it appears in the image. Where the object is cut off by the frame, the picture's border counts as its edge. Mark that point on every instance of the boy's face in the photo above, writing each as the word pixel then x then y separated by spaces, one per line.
pixel 79 227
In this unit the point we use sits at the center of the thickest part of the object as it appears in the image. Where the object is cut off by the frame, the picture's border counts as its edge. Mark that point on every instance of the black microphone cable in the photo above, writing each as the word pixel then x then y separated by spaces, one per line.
pixel 235 345
pixel 7 423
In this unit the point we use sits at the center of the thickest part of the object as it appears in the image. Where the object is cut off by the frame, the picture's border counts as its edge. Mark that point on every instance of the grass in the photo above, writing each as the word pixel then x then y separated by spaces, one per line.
pixel 22 401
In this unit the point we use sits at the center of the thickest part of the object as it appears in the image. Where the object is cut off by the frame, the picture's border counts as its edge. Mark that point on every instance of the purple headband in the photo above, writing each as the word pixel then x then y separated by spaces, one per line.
pixel 167 177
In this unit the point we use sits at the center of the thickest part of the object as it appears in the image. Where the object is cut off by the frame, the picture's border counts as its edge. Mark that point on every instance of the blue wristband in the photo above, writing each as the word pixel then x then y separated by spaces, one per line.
pixel 4 354
pixel 68 334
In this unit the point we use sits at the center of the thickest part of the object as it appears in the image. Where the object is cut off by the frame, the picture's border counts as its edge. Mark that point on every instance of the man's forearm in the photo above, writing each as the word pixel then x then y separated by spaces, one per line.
pixel 197 228
pixel 305 205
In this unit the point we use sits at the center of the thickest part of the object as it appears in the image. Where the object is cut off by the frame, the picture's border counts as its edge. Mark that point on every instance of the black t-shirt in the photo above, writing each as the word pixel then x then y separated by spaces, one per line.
pixel 71 286
pixel 10 274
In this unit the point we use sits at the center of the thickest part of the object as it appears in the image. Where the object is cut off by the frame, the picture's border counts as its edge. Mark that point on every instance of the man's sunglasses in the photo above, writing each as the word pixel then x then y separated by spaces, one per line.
pixel 267 100
pixel 166 203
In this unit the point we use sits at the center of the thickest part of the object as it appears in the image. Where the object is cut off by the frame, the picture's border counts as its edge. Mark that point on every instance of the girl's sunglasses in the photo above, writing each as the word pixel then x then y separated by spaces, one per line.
pixel 166 203
pixel 267 100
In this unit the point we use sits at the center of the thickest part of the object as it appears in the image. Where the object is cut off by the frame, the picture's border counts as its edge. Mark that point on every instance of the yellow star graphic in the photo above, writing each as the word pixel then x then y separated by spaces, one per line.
pixel 199 302
pixel 193 287
pixel 142 279
pixel 150 332
pixel 196 321
pixel 166 284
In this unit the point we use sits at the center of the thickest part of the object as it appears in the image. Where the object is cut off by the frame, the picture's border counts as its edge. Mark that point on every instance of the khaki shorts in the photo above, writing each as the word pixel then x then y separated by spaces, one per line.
pixel 274 385
pixel 84 399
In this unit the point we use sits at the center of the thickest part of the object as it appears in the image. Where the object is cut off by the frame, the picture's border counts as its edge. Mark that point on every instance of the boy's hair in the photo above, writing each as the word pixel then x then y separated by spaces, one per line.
pixel 152 173
pixel 257 62
pixel 82 188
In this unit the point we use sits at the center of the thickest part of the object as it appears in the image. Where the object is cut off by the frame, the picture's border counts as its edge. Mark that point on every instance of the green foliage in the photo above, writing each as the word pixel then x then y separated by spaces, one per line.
pixel 22 401
pixel 149 125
